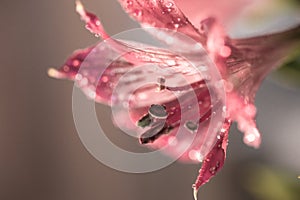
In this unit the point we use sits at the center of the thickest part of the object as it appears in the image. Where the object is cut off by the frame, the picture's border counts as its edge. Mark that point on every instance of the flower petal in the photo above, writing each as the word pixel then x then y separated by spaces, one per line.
pixel 111 59
pixel 104 75
pixel 214 161
pixel 161 14
pixel 113 69
pixel 71 67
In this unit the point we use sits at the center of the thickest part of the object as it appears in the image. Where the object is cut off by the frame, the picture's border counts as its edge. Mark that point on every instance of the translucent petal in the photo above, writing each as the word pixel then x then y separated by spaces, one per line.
pixel 162 14
pixel 224 11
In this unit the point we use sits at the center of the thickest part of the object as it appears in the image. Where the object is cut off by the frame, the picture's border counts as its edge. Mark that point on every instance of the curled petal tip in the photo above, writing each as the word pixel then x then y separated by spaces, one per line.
pixel 80 10
pixel 53 73
pixel 93 24
pixel 253 138
pixel 79 7
pixel 195 193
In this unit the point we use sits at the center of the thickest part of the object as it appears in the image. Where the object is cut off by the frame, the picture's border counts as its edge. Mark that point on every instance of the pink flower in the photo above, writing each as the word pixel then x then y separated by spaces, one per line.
pixel 242 63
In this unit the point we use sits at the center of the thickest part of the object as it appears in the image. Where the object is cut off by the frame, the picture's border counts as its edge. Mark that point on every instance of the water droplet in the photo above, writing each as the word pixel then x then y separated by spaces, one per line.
pixel 78 77
pixel 176 25
pixel 212 170
pixel 66 68
pixel 98 23
pixel 137 13
pixel 195 155
pixel 129 3
pixel 225 51
pixel 171 62
pixel 75 63
pixel 104 79
pixel 169 4
pixel 91 94
pixel 224 108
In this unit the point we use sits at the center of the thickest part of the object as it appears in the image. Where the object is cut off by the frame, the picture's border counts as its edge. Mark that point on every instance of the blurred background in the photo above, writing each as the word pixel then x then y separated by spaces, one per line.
pixel 41 156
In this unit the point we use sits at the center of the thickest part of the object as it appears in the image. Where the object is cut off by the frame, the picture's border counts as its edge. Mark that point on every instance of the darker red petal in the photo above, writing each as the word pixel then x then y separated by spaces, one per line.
pixel 215 159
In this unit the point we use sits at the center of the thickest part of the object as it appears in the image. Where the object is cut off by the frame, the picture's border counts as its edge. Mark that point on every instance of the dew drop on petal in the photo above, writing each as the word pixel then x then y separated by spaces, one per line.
pixel 169 10
pixel 252 137
pixel 138 13
pixel 171 62
pixel 91 94
pixel 129 3
pixel 104 79
pixel 76 63
pixel 176 25
pixel 98 23
pixel 78 77
pixel 225 51
pixel 195 155
pixel 66 68
pixel 169 4
pixel 212 170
